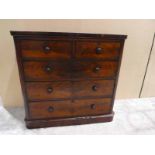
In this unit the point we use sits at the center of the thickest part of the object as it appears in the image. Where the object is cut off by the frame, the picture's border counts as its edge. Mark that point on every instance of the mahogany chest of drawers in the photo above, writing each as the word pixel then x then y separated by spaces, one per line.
pixel 68 78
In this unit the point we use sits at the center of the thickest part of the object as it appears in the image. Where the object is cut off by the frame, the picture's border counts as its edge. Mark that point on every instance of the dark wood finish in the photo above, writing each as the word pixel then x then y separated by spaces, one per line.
pixel 48 90
pixel 62 90
pixel 68 108
pixel 94 69
pixel 46 70
pixel 38 34
pixel 93 88
pixel 46 49
pixel 31 124
pixel 68 78
pixel 91 49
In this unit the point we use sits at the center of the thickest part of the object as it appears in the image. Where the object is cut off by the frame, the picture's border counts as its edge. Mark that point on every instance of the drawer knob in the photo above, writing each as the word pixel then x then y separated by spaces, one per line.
pixel 98 50
pixel 50 109
pixel 48 68
pixel 49 89
pixel 92 106
pixel 94 88
pixel 47 48
pixel 97 69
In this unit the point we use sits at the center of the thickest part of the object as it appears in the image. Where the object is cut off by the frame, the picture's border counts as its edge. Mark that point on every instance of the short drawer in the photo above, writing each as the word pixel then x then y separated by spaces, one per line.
pixel 61 109
pixel 100 50
pixel 46 49
pixel 93 88
pixel 46 71
pixel 94 69
pixel 48 90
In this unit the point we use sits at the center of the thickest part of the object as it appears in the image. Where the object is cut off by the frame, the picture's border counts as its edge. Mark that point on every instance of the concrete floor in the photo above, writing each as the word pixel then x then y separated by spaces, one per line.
pixel 134 116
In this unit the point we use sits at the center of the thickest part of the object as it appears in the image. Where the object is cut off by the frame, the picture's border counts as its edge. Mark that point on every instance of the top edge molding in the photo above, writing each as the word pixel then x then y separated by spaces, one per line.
pixel 65 34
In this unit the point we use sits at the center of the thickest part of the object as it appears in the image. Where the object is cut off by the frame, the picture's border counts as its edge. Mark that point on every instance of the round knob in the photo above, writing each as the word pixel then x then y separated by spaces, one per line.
pixel 47 48
pixel 92 106
pixel 48 68
pixel 50 109
pixel 94 88
pixel 98 50
pixel 49 89
pixel 97 69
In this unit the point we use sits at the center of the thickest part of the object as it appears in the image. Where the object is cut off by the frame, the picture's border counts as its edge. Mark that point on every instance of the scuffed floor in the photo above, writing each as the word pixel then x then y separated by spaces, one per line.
pixel 134 116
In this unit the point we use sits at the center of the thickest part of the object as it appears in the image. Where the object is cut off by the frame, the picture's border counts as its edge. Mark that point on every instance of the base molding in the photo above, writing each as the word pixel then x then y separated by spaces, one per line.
pixel 30 124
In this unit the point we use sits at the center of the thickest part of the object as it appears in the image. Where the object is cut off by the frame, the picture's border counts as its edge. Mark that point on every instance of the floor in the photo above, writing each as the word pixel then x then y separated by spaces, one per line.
pixel 134 116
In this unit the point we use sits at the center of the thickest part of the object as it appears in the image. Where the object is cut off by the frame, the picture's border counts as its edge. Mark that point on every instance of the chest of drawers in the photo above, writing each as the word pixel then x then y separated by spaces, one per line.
pixel 68 78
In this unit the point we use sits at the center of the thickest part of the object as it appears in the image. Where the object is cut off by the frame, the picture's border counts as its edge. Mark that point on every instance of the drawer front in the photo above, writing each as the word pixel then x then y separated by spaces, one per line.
pixel 90 49
pixel 45 71
pixel 48 90
pixel 93 88
pixel 94 69
pixel 61 90
pixel 46 49
pixel 61 109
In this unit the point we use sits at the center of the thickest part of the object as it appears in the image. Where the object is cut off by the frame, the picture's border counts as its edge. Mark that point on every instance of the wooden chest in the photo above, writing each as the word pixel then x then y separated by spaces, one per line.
pixel 68 78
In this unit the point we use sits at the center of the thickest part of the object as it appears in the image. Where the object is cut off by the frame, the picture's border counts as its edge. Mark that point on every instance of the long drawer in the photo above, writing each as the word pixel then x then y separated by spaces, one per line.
pixel 76 89
pixel 47 70
pixel 61 109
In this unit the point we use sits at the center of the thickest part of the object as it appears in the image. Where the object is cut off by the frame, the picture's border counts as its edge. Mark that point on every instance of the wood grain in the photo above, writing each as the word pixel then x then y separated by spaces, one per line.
pixel 48 90
pixel 93 88
pixel 68 78
pixel 62 90
pixel 55 50
pixel 94 69
pixel 36 70
pixel 109 50
pixel 63 109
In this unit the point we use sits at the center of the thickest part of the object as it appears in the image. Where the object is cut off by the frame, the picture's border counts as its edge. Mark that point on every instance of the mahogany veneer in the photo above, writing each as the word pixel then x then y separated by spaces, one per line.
pixel 68 78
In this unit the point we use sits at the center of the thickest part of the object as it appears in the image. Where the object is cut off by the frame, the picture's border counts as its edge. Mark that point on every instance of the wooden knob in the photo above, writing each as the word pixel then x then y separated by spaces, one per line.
pixel 48 68
pixel 98 50
pixel 50 109
pixel 92 106
pixel 49 89
pixel 94 88
pixel 47 48
pixel 97 69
